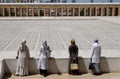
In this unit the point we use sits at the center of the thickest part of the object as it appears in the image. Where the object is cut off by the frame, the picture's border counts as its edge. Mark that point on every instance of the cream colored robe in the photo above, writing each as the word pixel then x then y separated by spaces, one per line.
pixel 96 53
pixel 22 62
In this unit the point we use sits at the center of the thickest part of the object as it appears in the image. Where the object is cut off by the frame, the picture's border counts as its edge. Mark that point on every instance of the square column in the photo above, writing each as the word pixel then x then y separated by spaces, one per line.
pixel 73 12
pixel 119 11
pixel 101 11
pixel 3 12
pixel 67 11
pixel 38 11
pixel 84 11
pixel 9 12
pixel 79 11
pixel 50 11
pixel 61 11
pixel 90 11
pixel 15 11
pixel 32 11
pixel 96 9
pixel 27 8
pixel 107 11
pixel 44 11
pixel 113 11
pixel 21 11
pixel 56 11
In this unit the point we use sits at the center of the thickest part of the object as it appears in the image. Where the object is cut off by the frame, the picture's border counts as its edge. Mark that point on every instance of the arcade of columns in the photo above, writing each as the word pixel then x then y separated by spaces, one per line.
pixel 31 9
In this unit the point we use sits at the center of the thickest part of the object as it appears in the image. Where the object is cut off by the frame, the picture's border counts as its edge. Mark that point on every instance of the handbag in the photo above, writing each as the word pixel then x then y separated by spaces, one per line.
pixel 16 57
pixel 73 66
pixel 90 65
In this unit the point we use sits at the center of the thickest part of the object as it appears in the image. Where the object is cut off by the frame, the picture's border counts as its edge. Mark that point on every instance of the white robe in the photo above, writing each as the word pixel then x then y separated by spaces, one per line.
pixel 43 59
pixel 22 62
pixel 96 53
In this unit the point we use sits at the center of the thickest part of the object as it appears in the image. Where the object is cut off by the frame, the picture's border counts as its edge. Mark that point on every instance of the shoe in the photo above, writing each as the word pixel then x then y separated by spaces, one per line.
pixel 16 74
pixel 45 75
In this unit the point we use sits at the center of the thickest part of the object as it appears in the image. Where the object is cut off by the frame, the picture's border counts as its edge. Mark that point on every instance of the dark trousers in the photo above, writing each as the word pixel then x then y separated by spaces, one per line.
pixel 43 72
pixel 96 69
pixel 72 61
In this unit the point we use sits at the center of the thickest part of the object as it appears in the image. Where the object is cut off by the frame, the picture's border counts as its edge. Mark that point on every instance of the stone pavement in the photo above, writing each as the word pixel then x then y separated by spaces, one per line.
pixel 58 31
pixel 66 76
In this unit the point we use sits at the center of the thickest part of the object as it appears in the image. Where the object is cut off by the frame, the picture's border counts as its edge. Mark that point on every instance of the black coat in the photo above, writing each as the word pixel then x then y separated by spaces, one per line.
pixel 73 51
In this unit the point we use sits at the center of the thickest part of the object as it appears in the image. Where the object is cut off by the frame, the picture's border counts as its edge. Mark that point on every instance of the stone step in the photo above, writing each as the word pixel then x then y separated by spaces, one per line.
pixel 67 76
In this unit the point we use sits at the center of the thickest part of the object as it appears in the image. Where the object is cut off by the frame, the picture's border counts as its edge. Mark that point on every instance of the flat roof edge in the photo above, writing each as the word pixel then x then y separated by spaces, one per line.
pixel 59 3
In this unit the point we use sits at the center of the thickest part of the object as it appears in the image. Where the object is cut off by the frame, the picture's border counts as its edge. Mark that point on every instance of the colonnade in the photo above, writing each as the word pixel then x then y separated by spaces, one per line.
pixel 32 9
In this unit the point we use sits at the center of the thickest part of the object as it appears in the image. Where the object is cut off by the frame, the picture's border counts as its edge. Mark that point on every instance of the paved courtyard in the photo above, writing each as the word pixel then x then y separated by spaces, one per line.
pixel 59 31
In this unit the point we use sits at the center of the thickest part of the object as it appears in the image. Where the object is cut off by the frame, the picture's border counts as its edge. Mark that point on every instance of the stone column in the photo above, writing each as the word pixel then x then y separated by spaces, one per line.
pixel 3 12
pixel 21 11
pixel 50 11
pixel 101 11
pixel 119 10
pixel 27 8
pixel 79 11
pixel 56 11
pixel 90 11
pixel 38 10
pixel 61 11
pixel 96 9
pixel 15 11
pixel 9 11
pixel 67 11
pixel 107 11
pixel 113 11
pixel 32 11
pixel 73 12
pixel 44 11
pixel 84 11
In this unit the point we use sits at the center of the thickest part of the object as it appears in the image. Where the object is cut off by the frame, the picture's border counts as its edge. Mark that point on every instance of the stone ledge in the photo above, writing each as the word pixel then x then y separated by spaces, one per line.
pixel 61 65
pixel 1 69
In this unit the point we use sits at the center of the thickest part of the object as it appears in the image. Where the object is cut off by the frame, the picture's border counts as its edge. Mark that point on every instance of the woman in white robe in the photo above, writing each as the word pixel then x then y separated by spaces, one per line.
pixel 22 62
pixel 95 58
pixel 43 59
